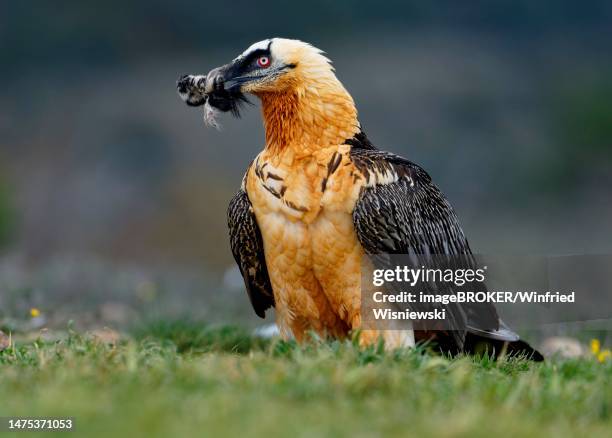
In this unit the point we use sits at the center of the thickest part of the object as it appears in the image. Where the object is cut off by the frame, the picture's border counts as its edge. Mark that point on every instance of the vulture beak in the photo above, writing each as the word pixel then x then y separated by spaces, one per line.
pixel 217 89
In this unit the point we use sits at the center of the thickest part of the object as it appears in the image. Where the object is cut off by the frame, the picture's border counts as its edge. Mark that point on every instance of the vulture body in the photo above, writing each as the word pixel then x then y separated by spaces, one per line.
pixel 320 196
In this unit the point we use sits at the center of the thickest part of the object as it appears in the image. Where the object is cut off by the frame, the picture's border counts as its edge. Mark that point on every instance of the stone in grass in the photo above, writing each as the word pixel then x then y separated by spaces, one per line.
pixel 5 341
pixel 562 347
pixel 105 336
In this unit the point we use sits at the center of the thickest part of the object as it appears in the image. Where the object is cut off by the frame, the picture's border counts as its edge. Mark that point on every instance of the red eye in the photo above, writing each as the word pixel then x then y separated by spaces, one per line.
pixel 263 62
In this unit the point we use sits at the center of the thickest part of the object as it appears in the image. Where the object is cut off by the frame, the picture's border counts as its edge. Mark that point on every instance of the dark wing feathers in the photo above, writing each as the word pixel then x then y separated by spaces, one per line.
pixel 412 216
pixel 409 216
pixel 247 247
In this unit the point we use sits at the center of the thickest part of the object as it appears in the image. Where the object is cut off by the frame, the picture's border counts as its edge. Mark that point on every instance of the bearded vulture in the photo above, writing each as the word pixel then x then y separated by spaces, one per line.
pixel 320 196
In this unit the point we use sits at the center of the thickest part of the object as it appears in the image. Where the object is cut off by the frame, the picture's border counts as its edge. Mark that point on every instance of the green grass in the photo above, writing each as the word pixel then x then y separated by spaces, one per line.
pixel 226 383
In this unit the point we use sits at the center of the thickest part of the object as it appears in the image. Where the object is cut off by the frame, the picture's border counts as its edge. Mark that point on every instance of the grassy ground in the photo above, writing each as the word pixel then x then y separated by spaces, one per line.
pixel 181 380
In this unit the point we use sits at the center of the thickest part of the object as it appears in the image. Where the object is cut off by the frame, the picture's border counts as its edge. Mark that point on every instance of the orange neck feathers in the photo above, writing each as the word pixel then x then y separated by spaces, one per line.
pixel 309 116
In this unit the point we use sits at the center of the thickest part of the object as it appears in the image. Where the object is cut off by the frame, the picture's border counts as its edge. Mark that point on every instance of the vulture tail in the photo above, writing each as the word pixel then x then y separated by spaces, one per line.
pixel 500 342
pixel 495 343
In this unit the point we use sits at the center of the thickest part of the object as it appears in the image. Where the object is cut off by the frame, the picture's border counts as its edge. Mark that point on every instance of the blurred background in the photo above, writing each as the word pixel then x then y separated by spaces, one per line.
pixel 113 193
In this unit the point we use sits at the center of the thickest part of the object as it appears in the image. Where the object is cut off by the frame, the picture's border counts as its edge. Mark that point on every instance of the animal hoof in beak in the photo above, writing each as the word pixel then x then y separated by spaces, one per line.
pixel 191 89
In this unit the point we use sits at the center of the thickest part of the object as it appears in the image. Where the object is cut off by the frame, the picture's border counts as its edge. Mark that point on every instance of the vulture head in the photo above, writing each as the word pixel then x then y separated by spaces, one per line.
pixel 273 67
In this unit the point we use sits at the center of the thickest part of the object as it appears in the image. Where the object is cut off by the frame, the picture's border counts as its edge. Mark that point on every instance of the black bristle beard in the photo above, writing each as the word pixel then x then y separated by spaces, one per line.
pixel 228 101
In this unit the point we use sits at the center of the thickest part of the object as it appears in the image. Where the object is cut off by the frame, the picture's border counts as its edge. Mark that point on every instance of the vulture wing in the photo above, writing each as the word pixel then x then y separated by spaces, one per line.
pixel 407 214
pixel 247 247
